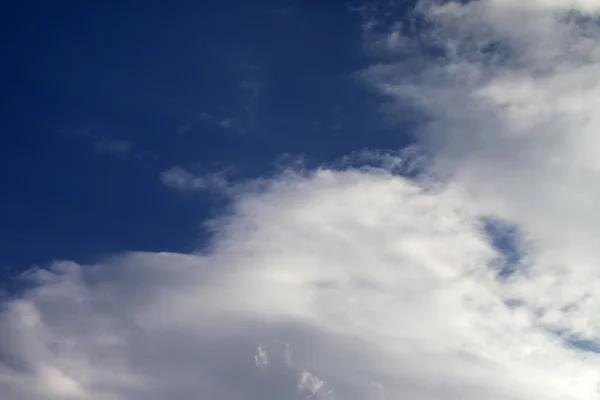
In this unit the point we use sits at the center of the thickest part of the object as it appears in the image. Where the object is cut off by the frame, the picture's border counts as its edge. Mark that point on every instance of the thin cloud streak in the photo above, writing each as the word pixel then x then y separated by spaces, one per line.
pixel 183 180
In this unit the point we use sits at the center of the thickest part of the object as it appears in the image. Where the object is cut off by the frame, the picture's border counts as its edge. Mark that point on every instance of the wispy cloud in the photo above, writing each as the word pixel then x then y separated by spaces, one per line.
pixel 181 179
pixel 106 145
pixel 314 387
pixel 240 118
pixel 226 123
pixel 261 358
pixel 231 123
pixel 185 128
pixel 115 147
pixel 250 90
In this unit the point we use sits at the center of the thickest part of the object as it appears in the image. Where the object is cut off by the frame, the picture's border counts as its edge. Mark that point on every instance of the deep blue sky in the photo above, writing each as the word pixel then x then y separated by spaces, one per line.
pixel 205 85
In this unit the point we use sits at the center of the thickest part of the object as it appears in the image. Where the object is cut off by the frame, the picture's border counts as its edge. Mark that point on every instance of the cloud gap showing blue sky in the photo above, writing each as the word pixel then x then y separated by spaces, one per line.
pixel 505 238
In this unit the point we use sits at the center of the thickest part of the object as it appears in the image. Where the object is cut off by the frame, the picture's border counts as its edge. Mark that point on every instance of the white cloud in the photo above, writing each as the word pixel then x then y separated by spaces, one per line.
pixel 368 276
pixel 511 111
pixel 308 384
pixel 587 6
pixel 314 386
pixel 261 358
pixel 373 280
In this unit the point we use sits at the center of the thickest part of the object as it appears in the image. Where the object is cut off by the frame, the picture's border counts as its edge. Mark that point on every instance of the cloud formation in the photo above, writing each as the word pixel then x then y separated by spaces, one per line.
pixel 229 123
pixel 511 106
pixel 103 144
pixel 183 180
pixel 369 277
pixel 356 282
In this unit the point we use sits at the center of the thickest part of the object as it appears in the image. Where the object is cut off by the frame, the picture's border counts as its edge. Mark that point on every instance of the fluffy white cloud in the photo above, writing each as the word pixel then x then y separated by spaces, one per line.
pixel 357 283
pixel 377 284
pixel 511 101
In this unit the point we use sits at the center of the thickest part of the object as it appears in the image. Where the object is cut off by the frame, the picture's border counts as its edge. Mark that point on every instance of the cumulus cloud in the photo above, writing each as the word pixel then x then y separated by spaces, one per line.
pixel 368 276
pixel 510 100
pixel 368 279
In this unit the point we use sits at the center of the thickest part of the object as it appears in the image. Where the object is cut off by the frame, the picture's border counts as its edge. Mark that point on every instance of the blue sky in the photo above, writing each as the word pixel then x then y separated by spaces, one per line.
pixel 101 98
pixel 303 200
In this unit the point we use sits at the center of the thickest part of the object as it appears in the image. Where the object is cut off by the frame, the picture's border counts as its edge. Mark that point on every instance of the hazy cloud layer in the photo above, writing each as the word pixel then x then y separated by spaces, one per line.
pixel 352 282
